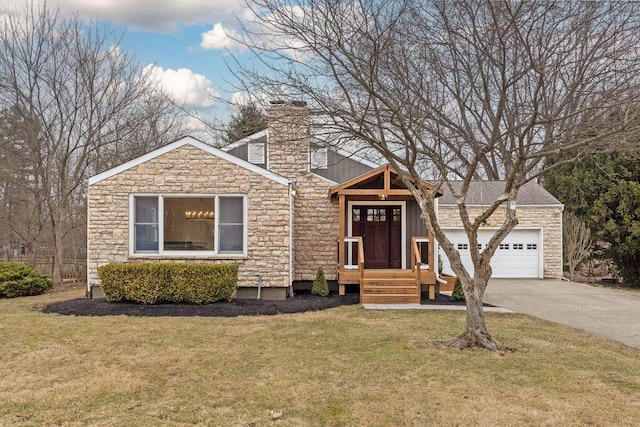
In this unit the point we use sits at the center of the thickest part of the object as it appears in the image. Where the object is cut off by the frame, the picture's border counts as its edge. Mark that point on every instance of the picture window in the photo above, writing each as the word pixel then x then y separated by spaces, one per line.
pixel 175 224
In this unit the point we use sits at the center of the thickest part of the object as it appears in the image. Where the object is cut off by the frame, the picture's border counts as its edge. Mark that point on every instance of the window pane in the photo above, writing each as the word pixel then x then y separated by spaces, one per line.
pixel 231 225
pixel 146 224
pixel 231 210
pixel 231 239
pixel 146 210
pixel 146 238
pixel 189 223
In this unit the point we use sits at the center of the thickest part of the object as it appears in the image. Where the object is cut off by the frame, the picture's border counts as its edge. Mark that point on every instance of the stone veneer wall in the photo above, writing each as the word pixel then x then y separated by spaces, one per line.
pixel 528 216
pixel 190 170
pixel 316 216
pixel 315 229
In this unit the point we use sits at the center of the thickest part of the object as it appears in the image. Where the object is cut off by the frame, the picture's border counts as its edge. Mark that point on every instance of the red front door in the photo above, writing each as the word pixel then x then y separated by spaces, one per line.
pixel 380 229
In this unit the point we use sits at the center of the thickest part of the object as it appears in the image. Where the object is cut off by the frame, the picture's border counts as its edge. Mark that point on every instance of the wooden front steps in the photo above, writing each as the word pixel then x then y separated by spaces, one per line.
pixel 389 287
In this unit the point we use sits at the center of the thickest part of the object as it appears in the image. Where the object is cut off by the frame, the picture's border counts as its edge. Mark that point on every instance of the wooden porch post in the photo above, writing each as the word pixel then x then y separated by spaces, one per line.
pixel 432 256
pixel 341 287
pixel 434 268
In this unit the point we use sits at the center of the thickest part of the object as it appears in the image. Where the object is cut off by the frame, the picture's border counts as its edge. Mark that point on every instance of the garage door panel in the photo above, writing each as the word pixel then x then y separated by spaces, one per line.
pixel 517 256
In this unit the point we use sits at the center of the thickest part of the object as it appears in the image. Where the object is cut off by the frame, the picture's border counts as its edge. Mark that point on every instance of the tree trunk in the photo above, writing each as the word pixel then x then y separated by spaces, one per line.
pixel 475 334
pixel 58 256
pixel 58 246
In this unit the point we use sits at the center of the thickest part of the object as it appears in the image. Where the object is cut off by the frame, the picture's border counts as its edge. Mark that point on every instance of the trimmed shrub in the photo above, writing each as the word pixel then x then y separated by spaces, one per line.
pixel 152 283
pixel 457 293
pixel 320 285
pixel 18 280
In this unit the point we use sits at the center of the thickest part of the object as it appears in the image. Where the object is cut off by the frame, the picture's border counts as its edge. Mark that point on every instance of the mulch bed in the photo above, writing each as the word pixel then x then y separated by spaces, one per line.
pixel 301 302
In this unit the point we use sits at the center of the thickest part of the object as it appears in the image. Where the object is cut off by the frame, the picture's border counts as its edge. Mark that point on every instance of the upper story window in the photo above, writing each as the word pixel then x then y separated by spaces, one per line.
pixel 189 224
pixel 256 153
pixel 319 158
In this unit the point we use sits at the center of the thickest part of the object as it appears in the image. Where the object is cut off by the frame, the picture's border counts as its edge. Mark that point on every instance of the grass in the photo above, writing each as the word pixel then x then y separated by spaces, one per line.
pixel 344 366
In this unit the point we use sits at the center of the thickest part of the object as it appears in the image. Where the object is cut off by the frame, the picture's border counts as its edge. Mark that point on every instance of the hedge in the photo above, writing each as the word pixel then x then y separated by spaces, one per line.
pixel 152 283
pixel 18 280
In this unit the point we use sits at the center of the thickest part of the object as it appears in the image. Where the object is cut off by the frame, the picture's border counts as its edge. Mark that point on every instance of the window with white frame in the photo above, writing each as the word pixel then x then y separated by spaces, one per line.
pixel 319 158
pixel 176 224
pixel 256 153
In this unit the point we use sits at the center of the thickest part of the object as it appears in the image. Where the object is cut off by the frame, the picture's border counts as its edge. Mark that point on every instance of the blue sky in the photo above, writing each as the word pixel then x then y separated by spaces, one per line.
pixel 185 40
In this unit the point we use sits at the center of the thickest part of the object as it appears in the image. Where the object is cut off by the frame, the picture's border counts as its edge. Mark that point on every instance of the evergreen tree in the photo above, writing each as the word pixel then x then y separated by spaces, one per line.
pixel 458 293
pixel 320 284
pixel 249 120
pixel 604 190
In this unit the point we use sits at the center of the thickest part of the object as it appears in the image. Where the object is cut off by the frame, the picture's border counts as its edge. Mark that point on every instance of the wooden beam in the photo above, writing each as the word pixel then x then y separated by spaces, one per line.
pixel 374 192
pixel 387 179
pixel 432 256
pixel 357 180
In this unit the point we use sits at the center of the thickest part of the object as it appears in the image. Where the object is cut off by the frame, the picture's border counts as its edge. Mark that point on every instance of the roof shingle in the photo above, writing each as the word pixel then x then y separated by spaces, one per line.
pixel 485 192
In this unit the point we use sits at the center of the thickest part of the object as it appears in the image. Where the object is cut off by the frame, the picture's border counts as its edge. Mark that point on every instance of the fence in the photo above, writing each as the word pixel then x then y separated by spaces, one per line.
pixel 74 268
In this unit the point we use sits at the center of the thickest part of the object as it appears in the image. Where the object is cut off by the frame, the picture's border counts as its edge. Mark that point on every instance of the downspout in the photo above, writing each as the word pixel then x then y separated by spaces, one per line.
pixel 292 194
pixel 259 285
pixel 89 294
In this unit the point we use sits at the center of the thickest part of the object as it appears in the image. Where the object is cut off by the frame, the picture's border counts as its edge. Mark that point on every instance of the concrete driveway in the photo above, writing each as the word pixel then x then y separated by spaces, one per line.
pixel 610 313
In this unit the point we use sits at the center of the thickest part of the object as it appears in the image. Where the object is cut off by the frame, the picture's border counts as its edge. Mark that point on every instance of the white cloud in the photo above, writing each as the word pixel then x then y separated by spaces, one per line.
pixel 153 15
pixel 184 86
pixel 220 38
pixel 261 99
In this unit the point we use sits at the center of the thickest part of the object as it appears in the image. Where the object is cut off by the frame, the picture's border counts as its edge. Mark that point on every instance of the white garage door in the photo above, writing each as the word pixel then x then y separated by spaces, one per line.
pixel 517 256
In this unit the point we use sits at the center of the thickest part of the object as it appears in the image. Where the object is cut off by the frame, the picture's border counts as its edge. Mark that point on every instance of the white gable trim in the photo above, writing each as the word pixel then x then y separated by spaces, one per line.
pixel 346 153
pixel 246 140
pixel 187 140
pixel 356 157
pixel 330 181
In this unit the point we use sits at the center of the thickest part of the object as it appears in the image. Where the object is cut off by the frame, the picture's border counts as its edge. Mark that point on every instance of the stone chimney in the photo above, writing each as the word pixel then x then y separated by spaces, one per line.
pixel 288 145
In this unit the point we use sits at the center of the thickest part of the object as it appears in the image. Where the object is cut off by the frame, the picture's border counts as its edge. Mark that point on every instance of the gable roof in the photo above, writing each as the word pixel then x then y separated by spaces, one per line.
pixel 353 155
pixel 485 192
pixel 188 140
pixel 312 139
pixel 391 185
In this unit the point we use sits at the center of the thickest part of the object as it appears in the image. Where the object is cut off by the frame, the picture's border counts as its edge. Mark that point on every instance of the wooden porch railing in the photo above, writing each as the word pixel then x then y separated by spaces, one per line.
pixel 416 262
pixel 346 263
pixel 361 262
pixel 386 285
pixel 417 265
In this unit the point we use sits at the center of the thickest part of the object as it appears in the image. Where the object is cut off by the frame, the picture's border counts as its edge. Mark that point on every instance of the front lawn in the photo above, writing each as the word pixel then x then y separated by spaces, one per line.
pixel 343 366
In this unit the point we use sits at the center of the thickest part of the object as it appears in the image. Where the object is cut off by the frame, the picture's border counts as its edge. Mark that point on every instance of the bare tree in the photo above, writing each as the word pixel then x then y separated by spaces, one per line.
pixel 461 90
pixel 23 210
pixel 81 105
pixel 576 241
